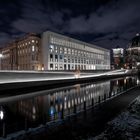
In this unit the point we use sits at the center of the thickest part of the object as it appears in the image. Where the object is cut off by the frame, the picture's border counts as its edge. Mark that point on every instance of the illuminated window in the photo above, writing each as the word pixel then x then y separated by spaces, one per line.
pixel 33 41
pixel 61 50
pixel 69 51
pixel 56 49
pixel 75 52
pixel 33 48
pixel 56 66
pixel 72 51
pixel 65 50
pixel 51 48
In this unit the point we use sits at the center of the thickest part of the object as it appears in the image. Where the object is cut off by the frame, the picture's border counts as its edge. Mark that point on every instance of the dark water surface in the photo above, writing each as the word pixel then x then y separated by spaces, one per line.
pixel 73 112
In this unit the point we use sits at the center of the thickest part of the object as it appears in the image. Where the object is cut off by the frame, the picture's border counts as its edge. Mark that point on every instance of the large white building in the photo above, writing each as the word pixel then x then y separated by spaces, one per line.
pixel 53 51
pixel 60 52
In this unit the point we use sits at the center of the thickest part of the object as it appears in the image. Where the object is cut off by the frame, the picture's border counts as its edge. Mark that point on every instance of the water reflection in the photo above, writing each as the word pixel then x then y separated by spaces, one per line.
pixel 1 113
pixel 59 104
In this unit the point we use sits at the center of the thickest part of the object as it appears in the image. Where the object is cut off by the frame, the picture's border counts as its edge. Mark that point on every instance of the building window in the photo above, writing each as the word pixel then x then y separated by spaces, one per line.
pixel 56 58
pixel 33 67
pixel 72 67
pixel 65 50
pixel 65 67
pixel 51 48
pixel 33 48
pixel 56 66
pixel 65 58
pixel 33 41
pixel 79 60
pixel 56 50
pixel 60 57
pixel 72 60
pixel 60 66
pixel 68 59
pixel 36 57
pixel 69 51
pixel 61 50
pixel 51 66
pixel 51 57
pixel 72 52
pixel 75 59
pixel 75 52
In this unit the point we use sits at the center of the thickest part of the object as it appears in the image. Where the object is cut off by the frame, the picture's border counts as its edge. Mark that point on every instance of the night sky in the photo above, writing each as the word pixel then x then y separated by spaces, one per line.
pixel 107 23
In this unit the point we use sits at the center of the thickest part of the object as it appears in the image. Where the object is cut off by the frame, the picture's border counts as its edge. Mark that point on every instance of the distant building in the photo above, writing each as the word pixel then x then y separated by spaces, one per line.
pixel 53 51
pixel 22 54
pixel 118 57
pixel 133 52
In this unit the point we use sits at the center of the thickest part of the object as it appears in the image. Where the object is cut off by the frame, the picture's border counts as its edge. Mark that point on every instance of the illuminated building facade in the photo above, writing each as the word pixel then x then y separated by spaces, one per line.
pixel 133 52
pixel 64 53
pixel 118 57
pixel 22 54
pixel 53 51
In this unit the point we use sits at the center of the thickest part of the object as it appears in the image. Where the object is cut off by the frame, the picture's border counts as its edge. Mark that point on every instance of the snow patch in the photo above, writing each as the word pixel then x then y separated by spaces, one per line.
pixel 126 126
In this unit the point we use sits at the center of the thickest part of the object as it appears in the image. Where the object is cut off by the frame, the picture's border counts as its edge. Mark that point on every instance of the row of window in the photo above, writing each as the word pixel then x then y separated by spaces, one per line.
pixel 63 50
pixel 61 58
pixel 73 44
pixel 27 50
pixel 56 66
pixel 21 51
pixel 21 59
pixel 27 43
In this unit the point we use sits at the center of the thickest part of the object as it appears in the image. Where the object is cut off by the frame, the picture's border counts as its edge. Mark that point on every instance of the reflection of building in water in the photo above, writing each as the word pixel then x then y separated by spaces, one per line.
pixel 120 85
pixel 30 108
pixel 117 86
pixel 70 100
pixel 66 102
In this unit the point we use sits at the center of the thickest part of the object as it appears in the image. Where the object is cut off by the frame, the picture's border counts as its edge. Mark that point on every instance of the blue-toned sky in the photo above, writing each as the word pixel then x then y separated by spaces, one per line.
pixel 107 23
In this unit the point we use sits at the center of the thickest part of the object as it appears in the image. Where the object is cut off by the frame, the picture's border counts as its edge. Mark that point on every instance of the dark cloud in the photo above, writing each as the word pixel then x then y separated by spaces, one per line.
pixel 107 22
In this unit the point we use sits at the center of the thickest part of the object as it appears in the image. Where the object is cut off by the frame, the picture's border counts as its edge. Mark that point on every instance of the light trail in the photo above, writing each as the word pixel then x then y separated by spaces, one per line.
pixel 65 76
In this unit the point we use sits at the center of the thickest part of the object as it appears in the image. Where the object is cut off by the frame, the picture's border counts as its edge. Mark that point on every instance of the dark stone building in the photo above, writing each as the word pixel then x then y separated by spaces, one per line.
pixel 133 52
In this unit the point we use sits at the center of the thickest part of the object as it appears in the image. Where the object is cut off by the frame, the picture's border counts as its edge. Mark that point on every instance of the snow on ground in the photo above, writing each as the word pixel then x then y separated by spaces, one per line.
pixel 126 126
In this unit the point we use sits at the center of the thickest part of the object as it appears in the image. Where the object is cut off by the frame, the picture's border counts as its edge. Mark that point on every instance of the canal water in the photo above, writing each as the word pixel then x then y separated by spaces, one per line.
pixel 72 112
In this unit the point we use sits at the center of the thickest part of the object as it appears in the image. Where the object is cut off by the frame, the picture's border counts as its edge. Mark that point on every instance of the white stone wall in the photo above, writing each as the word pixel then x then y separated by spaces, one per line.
pixel 64 53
